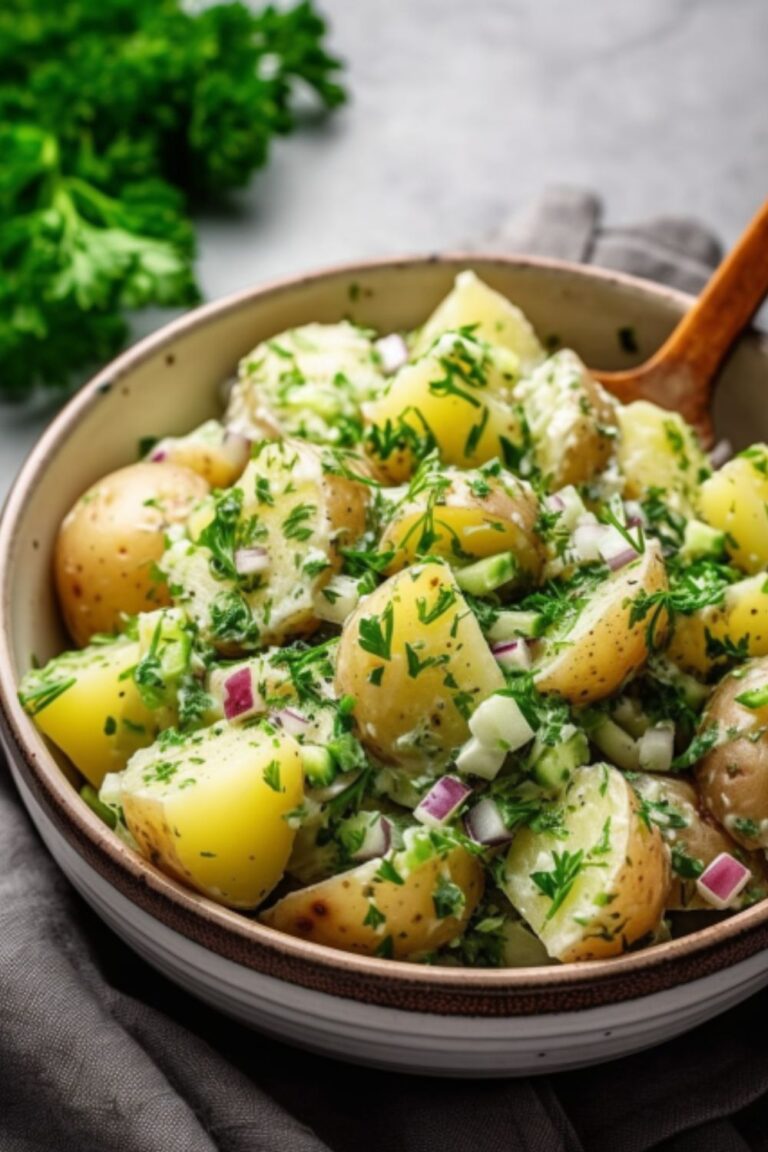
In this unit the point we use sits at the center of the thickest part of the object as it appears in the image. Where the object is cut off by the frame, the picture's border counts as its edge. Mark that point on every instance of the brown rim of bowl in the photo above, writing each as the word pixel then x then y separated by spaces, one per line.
pixel 450 991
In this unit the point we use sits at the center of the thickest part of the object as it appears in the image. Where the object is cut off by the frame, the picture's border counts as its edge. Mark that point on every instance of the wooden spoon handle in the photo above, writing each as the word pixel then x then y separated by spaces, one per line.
pixel 704 336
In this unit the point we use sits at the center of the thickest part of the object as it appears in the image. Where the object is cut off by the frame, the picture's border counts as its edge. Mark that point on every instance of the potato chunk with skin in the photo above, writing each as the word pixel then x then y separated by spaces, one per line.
pixel 288 515
pixel 111 541
pixel 594 651
pixel 466 515
pixel 657 449
pixel 493 318
pixel 211 450
pixel 455 400
pixel 735 500
pixel 600 888
pixel 571 419
pixel 210 809
pixel 88 705
pixel 694 838
pixel 308 382
pixel 740 623
pixel 733 776
pixel 413 657
pixel 366 910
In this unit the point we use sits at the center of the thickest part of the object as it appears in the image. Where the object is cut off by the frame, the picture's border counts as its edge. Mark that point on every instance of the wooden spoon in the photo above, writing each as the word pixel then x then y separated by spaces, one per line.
pixel 681 375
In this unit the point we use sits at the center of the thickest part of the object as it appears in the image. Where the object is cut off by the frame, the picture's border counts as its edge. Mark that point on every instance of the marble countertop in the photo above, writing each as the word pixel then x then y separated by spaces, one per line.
pixel 459 113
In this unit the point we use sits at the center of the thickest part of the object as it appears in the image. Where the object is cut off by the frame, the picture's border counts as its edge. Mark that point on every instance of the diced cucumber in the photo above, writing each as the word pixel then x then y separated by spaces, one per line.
pixel 498 723
pixel 700 540
pixel 551 765
pixel 488 574
pixel 513 623
pixel 620 748
pixel 88 794
pixel 320 768
pixel 476 759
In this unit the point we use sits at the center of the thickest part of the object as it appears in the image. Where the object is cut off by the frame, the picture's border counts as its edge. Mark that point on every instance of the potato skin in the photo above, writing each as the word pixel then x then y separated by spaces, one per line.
pixel 334 911
pixel 733 777
pixel 110 541
pixel 504 519
pixel 406 717
pixel 702 839
pixel 620 893
pixel 594 658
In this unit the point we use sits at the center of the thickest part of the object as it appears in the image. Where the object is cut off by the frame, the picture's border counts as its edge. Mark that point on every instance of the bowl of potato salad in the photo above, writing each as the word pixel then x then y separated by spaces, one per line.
pixel 385 682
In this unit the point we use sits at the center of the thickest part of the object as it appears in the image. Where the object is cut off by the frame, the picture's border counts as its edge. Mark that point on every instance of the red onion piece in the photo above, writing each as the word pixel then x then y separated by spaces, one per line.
pixel 157 455
pixel 238 693
pixel 443 800
pixel 615 549
pixel 555 503
pixel 633 512
pixel 250 561
pixel 721 454
pixel 512 654
pixel 656 748
pixel 291 721
pixel 621 559
pixel 722 880
pixel 484 824
pixel 393 352
pixel 376 842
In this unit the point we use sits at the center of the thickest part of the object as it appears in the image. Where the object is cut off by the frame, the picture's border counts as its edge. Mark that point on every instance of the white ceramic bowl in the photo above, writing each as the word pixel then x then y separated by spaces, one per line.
pixel 420 1019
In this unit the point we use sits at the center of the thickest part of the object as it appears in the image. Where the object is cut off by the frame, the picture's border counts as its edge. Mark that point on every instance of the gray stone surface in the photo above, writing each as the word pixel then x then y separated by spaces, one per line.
pixel 462 109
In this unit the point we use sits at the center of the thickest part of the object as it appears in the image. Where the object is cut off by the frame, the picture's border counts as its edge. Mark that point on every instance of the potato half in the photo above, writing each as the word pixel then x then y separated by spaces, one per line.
pixel 591 655
pixel 367 910
pixel 413 657
pixel 741 622
pixel 733 776
pixel 469 515
pixel 87 703
pixel 693 836
pixel 657 449
pixel 289 512
pixel 602 886
pixel 734 500
pixel 111 541
pixel 210 810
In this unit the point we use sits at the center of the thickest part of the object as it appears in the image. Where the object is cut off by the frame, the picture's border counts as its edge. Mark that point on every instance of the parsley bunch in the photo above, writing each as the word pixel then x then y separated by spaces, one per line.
pixel 115 118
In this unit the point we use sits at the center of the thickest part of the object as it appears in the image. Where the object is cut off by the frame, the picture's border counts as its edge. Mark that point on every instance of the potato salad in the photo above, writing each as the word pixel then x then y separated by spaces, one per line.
pixel 427 649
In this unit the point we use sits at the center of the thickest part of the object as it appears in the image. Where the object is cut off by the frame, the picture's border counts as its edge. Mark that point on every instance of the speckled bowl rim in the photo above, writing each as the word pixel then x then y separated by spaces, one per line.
pixel 462 992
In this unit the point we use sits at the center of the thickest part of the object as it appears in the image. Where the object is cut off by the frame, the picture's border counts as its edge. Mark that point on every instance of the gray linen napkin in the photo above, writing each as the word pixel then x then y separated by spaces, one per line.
pixel 99 1053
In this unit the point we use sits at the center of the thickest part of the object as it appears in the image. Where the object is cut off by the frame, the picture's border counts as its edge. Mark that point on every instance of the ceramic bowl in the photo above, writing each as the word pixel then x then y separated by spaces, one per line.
pixel 449 1021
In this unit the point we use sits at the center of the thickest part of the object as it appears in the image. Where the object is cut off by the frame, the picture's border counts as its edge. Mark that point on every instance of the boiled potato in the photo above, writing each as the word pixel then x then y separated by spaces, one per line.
pixel 739 624
pixel 211 450
pixel 571 419
pixel 602 886
pixel 694 838
pixel 111 541
pixel 735 500
pixel 289 514
pixel 87 703
pixel 308 382
pixel 210 809
pixel 657 449
pixel 591 653
pixel 413 657
pixel 733 776
pixel 472 304
pixel 402 905
pixel 466 515
pixel 454 400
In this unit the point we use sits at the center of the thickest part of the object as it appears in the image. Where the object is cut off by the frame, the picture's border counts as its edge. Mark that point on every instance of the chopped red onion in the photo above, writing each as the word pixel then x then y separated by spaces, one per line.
pixel 291 721
pixel 569 505
pixel 722 880
pixel 393 352
pixel 250 561
pixel 238 694
pixel 157 455
pixel 512 654
pixel 484 824
pixel 443 800
pixel 633 512
pixel 615 549
pixel 721 454
pixel 376 842
pixel 555 502
pixel 656 748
